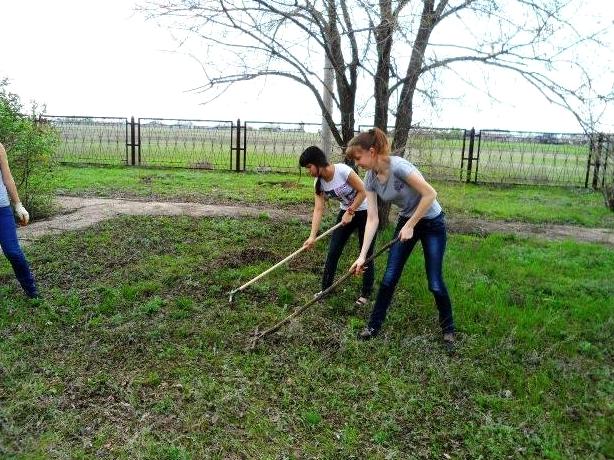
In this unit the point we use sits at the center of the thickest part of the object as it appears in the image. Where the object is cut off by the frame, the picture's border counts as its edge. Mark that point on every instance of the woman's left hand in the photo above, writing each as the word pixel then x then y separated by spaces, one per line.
pixel 22 214
pixel 406 233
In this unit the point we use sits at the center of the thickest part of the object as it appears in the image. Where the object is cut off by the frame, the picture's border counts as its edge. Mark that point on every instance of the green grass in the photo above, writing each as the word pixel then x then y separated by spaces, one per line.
pixel 185 184
pixel 552 205
pixel 515 203
pixel 136 353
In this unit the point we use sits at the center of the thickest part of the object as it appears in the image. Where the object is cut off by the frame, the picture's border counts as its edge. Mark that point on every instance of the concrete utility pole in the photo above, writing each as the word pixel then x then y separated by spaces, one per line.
pixel 327 96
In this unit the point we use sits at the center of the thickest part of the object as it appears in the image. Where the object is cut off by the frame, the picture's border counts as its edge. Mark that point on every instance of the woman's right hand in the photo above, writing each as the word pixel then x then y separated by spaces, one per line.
pixel 309 242
pixel 358 267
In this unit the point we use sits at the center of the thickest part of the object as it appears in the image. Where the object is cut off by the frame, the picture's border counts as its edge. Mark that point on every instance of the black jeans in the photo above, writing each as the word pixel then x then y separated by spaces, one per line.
pixel 335 248
pixel 432 234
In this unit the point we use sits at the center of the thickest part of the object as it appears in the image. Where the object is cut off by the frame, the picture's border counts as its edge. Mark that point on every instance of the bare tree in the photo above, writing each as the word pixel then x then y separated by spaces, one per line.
pixel 398 50
pixel 400 44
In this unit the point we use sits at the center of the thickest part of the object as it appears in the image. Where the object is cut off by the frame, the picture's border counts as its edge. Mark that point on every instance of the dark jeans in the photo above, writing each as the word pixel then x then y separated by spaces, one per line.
pixel 432 234
pixel 12 251
pixel 335 248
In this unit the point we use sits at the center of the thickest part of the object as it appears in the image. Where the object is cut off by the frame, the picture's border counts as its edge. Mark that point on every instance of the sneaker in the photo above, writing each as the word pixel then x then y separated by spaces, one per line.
pixel 367 333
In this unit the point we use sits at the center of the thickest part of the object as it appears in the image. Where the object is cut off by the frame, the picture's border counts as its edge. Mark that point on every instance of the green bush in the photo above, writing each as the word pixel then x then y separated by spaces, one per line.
pixel 30 146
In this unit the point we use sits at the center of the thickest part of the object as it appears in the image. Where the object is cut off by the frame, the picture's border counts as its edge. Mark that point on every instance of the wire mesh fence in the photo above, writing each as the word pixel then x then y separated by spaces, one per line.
pixel 515 157
pixel 436 151
pixel 487 156
pixel 201 144
pixel 276 146
pixel 97 140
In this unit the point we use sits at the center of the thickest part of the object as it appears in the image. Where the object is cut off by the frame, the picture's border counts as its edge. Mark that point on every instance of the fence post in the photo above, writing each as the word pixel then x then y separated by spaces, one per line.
pixel 238 147
pixel 131 143
pixel 470 157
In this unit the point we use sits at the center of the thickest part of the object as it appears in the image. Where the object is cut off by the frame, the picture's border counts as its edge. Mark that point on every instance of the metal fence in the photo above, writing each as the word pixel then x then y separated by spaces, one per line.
pixel 276 146
pixel 201 144
pixel 486 156
pixel 532 158
pixel 97 140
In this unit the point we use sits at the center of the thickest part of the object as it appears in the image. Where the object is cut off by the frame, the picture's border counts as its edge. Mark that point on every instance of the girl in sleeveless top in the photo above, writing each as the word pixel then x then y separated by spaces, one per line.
pixel 8 231
pixel 339 182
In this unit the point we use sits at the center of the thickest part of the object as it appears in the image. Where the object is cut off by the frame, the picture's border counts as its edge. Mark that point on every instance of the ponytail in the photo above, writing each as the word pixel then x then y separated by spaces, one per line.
pixel 375 138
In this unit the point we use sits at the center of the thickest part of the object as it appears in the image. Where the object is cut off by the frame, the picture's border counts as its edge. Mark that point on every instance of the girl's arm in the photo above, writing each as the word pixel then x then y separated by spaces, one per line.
pixel 357 184
pixel 370 229
pixel 316 219
pixel 7 177
pixel 428 195
pixel 11 188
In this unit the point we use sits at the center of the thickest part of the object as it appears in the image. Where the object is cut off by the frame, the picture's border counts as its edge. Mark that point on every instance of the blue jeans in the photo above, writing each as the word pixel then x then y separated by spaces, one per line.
pixel 432 234
pixel 335 248
pixel 13 252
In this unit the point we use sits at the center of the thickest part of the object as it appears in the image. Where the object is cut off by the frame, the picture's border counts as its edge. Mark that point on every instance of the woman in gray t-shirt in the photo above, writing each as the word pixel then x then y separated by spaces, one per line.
pixel 394 179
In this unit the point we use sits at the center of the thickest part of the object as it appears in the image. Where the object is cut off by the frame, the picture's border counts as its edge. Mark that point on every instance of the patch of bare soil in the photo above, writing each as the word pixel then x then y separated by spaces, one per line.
pixel 546 231
pixel 82 212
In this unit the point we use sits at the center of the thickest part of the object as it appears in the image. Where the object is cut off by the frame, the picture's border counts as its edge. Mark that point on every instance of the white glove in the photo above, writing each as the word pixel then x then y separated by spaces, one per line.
pixel 22 214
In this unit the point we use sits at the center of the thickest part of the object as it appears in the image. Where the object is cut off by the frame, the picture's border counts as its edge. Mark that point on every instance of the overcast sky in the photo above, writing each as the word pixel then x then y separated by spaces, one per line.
pixel 99 58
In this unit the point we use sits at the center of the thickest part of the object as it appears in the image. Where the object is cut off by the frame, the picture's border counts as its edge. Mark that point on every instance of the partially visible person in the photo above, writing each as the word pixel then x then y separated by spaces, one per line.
pixel 8 230
pixel 339 182
pixel 394 179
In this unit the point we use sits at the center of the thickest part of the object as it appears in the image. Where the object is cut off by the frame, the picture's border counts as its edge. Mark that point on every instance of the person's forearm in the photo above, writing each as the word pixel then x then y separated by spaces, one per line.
pixel 358 199
pixel 423 205
pixel 370 229
pixel 316 220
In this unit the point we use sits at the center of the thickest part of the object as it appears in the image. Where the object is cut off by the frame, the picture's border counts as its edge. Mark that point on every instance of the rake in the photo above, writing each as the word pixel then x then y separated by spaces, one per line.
pixel 280 263
pixel 259 335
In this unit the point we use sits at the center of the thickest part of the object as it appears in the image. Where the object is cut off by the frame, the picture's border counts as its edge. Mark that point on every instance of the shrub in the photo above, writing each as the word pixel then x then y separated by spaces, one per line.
pixel 30 146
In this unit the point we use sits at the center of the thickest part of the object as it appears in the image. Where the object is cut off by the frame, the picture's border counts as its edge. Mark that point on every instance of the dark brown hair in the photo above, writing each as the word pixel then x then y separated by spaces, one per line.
pixel 315 156
pixel 375 138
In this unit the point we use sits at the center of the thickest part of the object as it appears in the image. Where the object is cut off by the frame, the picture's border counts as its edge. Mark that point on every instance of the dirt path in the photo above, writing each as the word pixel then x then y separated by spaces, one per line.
pixel 79 213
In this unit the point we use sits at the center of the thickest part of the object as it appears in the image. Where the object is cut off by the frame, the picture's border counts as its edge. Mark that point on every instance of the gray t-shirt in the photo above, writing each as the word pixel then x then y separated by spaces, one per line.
pixel 4 196
pixel 396 189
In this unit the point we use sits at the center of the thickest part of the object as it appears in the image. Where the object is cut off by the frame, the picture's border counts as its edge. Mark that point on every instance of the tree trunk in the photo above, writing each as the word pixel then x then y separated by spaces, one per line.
pixel 405 107
pixel 383 38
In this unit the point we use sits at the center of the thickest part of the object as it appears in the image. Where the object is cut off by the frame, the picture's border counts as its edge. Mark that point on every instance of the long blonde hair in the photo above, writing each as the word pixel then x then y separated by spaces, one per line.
pixel 375 138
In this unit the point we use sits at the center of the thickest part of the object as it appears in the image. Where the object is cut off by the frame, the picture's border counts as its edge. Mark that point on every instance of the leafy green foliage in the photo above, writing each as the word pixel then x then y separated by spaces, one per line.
pixel 30 148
